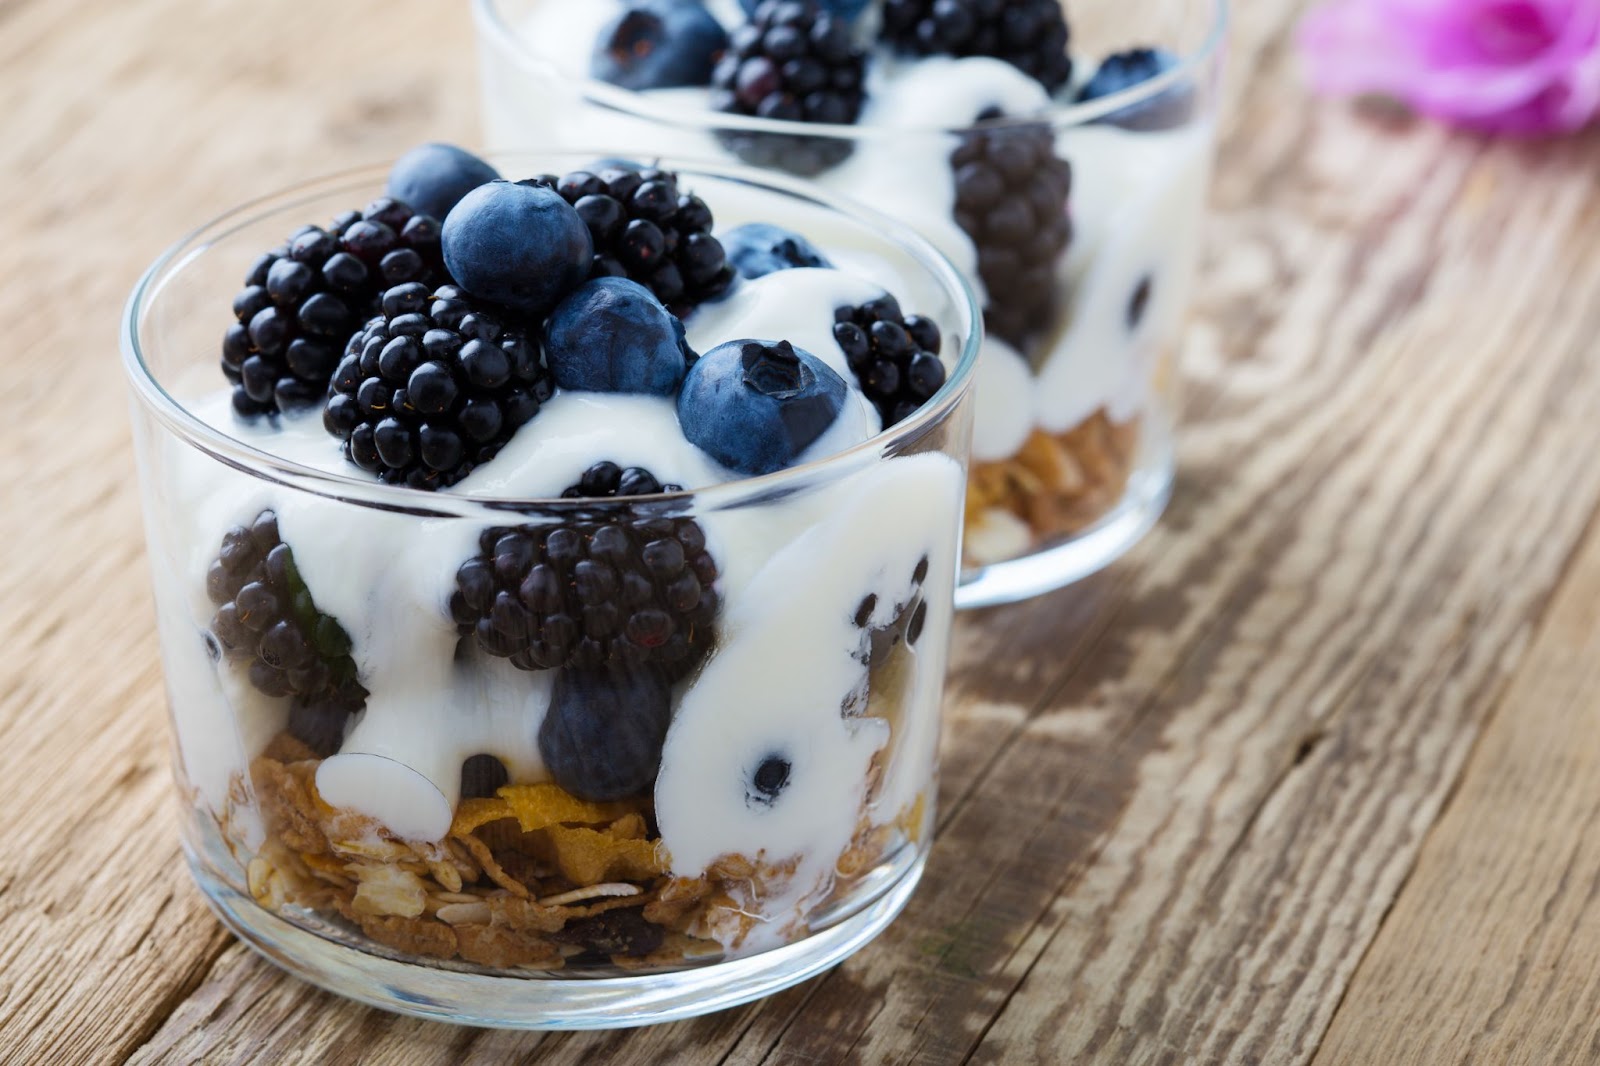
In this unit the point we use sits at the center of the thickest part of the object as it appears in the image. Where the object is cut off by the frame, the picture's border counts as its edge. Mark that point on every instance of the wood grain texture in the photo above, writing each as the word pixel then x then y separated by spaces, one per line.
pixel 1498 932
pixel 1182 802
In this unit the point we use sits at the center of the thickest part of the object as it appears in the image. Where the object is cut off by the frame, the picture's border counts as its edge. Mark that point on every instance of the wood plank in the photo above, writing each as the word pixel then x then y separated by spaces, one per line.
pixel 1496 936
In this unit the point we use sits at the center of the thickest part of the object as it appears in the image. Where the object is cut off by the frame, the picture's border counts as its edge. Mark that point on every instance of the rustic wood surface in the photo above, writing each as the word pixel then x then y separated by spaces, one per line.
pixel 1313 776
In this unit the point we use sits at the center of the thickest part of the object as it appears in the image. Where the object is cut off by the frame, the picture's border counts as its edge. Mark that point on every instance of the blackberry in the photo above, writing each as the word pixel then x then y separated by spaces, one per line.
pixel 649 230
pixel 895 357
pixel 611 934
pixel 1011 199
pixel 1031 35
pixel 434 386
pixel 616 588
pixel 607 479
pixel 483 775
pixel 303 300
pixel 793 61
pixel 267 622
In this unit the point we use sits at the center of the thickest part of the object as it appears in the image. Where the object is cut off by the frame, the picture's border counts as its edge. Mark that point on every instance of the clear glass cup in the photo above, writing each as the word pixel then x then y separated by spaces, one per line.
pixel 791 814
pixel 1076 397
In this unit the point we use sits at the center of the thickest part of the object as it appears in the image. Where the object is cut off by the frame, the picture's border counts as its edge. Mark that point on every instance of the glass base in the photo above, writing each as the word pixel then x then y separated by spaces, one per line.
pixel 1149 489
pixel 340 962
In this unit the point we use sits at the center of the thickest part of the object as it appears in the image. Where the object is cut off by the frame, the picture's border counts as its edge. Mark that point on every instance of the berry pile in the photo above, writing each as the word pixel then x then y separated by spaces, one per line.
pixel 1011 199
pixel 794 61
pixel 647 229
pixel 303 300
pixel 433 386
pixel 266 617
pixel 620 589
pixel 895 357
pixel 1031 35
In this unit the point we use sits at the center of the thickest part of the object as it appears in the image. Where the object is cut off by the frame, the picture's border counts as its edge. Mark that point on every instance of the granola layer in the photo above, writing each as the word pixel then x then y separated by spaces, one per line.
pixel 532 877
pixel 1055 486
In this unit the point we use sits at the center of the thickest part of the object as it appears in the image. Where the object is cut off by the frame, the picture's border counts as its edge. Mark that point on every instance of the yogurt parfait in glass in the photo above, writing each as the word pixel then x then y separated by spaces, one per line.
pixel 1059 155
pixel 554 619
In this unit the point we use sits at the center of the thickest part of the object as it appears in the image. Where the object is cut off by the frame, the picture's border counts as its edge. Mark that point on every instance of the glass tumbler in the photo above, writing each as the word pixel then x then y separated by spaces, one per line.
pixel 1083 270
pixel 402 841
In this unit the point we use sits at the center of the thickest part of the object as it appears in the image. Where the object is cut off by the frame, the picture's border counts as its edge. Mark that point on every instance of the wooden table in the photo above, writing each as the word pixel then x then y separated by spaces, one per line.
pixel 1313 776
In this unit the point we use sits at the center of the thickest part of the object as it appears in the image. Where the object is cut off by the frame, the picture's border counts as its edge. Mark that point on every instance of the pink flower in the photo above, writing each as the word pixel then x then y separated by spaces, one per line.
pixel 1513 66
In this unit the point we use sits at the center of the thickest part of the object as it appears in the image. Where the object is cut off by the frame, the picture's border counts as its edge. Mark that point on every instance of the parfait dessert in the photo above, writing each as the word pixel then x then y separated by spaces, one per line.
pixel 556 575
pixel 1064 172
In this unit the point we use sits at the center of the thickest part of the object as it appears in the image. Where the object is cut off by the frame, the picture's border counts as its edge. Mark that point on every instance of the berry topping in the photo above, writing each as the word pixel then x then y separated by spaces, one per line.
pixel 517 244
pixel 659 44
pixel 612 335
pixel 1011 199
pixel 602 735
pixel 303 300
pixel 845 9
pixel 1031 35
pixel 434 177
pixel 267 621
pixel 604 480
pixel 433 387
pixel 755 406
pixel 617 589
pixel 645 228
pixel 894 357
pixel 794 61
pixel 1123 71
pixel 757 249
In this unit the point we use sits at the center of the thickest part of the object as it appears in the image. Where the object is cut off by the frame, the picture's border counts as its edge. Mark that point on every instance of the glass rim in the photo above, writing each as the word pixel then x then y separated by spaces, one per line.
pixel 176 416
pixel 488 16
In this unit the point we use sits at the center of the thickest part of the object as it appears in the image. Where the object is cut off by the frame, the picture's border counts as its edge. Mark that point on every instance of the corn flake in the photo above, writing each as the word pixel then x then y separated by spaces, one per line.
pixel 590 856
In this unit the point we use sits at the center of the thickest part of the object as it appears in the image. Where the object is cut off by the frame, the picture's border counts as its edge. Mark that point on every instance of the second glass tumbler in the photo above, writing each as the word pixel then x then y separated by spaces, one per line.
pixel 1065 178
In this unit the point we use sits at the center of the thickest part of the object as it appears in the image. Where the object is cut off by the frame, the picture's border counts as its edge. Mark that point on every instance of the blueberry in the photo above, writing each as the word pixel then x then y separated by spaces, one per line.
pixel 432 178
pixel 518 245
pixel 1123 71
pixel 757 249
pixel 845 9
pixel 613 335
pixel 755 406
pixel 602 735
pixel 659 44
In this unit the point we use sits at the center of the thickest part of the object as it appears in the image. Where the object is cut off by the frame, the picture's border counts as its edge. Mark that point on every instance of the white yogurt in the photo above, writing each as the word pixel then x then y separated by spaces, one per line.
pixel 787 667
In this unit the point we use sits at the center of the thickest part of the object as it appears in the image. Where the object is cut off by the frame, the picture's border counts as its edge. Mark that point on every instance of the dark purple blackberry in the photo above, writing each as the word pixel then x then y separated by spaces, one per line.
pixel 612 934
pixel 267 622
pixel 648 229
pixel 1011 199
pixel 793 61
pixel 303 300
pixel 482 776
pixel 434 386
pixel 604 480
pixel 617 588
pixel 895 357
pixel 1031 35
